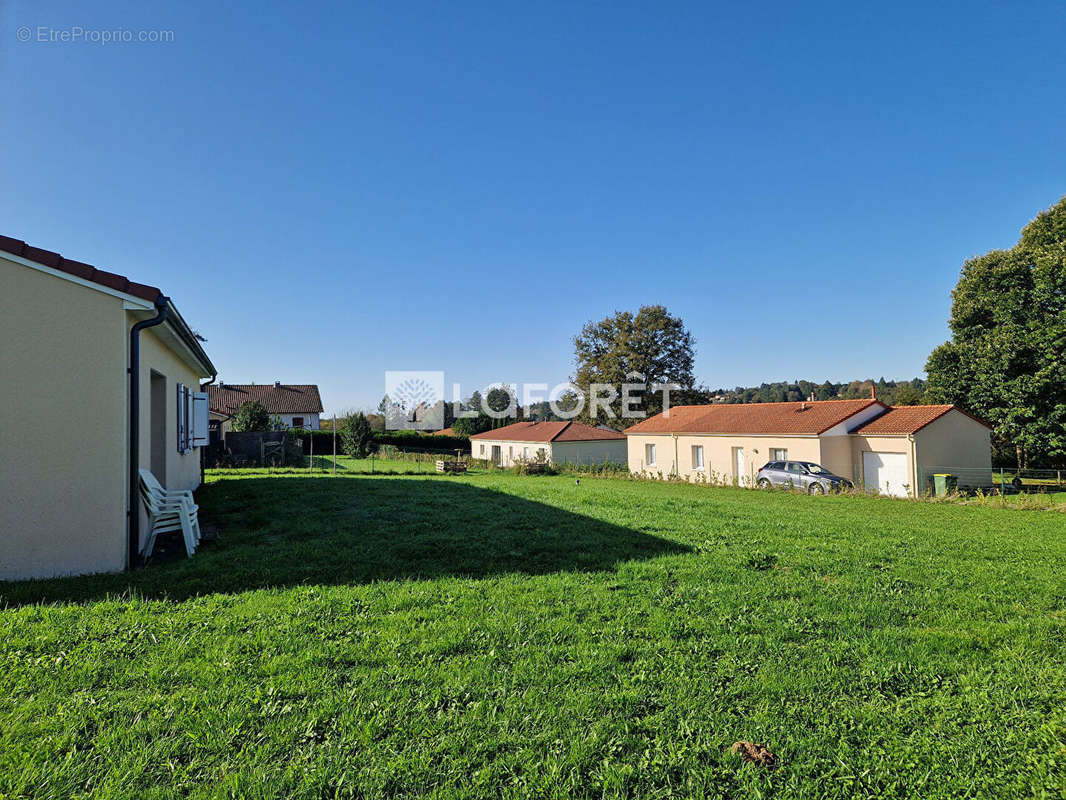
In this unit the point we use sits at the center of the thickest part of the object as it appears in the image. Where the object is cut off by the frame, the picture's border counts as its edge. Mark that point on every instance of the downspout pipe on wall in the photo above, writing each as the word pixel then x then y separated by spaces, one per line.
pixel 203 450
pixel 133 515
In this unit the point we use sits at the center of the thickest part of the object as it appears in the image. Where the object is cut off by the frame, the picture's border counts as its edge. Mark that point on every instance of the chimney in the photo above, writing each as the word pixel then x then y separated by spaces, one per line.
pixel 803 406
pixel 277 384
pixel 811 398
pixel 873 394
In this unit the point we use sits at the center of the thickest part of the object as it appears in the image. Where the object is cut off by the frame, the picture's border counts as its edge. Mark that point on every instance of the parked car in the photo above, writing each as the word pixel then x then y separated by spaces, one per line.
pixel 814 478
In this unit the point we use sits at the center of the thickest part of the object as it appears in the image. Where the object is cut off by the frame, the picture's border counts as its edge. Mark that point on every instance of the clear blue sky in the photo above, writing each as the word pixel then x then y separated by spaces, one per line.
pixel 330 191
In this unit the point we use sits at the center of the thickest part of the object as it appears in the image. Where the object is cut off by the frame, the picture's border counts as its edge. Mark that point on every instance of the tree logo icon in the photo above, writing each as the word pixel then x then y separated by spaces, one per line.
pixel 414 400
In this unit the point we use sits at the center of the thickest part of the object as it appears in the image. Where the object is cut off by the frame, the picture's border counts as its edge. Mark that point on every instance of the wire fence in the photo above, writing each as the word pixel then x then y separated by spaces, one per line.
pixel 1002 480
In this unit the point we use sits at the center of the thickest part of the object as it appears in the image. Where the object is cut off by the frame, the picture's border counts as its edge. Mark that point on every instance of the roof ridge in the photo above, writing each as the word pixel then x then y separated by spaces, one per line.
pixel 785 402
pixel 559 432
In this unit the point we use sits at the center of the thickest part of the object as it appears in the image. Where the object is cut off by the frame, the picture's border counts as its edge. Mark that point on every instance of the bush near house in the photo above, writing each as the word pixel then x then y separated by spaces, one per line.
pixel 251 417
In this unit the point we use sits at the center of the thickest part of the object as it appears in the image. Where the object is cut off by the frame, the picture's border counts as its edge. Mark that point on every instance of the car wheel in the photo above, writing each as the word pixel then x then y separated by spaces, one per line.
pixel 763 483
pixel 816 488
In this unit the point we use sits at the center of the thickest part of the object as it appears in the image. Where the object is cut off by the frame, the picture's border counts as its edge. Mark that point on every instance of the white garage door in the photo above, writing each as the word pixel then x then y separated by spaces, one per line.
pixel 886 472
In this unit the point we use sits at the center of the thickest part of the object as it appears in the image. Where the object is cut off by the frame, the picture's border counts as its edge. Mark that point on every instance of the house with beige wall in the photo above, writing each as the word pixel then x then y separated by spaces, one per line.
pixel 892 450
pixel 551 442
pixel 72 438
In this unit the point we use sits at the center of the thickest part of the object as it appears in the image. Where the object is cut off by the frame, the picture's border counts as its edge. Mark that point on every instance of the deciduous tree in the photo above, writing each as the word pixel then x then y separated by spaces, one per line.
pixel 649 348
pixel 1006 360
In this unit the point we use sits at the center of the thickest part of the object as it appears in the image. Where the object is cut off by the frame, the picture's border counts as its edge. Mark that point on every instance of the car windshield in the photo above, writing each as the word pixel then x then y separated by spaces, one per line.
pixel 816 469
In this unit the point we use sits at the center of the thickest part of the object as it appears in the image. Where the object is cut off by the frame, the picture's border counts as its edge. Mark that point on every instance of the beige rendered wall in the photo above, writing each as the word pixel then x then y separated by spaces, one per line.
pixel 955 443
pixel 717 454
pixel 182 470
pixel 836 456
pixel 62 427
pixel 594 452
pixel 510 450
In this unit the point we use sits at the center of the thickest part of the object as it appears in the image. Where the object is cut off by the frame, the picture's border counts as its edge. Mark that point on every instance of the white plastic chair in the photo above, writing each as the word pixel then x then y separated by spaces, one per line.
pixel 169 510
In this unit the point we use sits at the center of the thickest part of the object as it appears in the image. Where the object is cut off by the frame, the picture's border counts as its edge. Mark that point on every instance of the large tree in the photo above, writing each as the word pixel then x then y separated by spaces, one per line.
pixel 649 348
pixel 1006 360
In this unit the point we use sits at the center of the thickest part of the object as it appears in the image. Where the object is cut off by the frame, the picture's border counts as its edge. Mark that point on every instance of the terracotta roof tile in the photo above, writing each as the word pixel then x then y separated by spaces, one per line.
pixel 548 432
pixel 799 418
pixel 79 269
pixel 908 419
pixel 284 399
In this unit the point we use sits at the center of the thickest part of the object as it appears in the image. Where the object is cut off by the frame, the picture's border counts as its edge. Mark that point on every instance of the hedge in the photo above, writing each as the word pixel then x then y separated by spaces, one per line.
pixel 414 440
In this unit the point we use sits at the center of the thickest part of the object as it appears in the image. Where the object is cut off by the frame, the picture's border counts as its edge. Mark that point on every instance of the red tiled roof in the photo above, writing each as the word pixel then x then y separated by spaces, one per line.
pixel 549 432
pixel 78 269
pixel 445 432
pixel 284 399
pixel 799 418
pixel 908 419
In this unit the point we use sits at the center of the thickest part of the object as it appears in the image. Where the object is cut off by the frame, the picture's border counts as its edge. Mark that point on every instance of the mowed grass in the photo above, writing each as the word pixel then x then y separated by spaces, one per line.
pixel 496 636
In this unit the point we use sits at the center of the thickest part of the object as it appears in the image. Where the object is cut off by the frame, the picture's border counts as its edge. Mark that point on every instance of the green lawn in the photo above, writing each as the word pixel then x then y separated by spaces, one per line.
pixel 496 636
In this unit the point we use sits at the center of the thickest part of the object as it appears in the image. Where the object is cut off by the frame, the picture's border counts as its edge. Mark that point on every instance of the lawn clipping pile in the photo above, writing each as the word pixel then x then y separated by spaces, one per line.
pixel 500 636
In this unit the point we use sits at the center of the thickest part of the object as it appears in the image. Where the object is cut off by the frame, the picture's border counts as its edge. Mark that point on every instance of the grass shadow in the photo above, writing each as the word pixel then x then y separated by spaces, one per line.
pixel 281 531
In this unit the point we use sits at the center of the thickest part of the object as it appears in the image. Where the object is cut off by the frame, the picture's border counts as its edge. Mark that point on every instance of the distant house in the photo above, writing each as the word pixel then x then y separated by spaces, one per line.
pixel 296 405
pixel 101 376
pixel 554 442
pixel 893 450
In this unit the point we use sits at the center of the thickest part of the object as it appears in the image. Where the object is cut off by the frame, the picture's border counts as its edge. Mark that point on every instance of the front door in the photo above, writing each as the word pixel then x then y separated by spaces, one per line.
pixel 740 469
pixel 495 454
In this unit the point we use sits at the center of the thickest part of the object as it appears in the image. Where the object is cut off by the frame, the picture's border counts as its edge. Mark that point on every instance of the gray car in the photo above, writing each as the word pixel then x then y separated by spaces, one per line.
pixel 806 475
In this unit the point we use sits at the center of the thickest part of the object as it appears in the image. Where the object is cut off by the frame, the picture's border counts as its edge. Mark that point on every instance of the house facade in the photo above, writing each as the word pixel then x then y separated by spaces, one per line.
pixel 893 450
pixel 551 442
pixel 293 405
pixel 66 423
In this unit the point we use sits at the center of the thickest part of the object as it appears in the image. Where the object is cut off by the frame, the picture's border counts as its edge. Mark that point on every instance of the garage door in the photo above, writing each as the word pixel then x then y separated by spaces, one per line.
pixel 886 472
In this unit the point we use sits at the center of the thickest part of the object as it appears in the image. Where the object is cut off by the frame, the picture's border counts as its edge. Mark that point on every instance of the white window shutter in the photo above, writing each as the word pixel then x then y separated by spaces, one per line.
pixel 188 420
pixel 179 414
pixel 200 436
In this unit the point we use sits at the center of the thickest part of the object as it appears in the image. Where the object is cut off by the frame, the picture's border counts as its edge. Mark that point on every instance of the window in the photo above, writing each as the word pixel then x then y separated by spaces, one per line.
pixel 796 467
pixel 778 454
pixel 481 450
pixel 697 456
pixel 649 455
pixel 297 422
pixel 525 453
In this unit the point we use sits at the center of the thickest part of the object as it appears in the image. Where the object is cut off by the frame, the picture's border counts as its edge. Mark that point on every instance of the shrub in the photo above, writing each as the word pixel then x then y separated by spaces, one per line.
pixel 356 436
pixel 417 440
pixel 251 417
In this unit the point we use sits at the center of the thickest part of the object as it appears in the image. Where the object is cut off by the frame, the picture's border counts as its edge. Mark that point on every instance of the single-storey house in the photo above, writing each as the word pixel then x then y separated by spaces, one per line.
pixel 553 442
pixel 893 450
pixel 295 405
pixel 102 377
